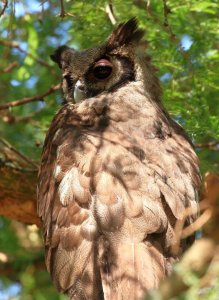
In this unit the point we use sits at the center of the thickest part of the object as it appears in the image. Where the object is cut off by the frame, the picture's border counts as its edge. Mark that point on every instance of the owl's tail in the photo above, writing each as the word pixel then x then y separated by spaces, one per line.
pixel 132 270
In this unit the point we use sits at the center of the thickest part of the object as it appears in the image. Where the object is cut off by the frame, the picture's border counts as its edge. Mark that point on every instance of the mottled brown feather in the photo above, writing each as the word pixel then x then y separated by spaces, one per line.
pixel 116 174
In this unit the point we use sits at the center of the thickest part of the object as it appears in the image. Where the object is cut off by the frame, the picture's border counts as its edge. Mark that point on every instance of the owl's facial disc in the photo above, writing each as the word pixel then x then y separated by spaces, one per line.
pixel 79 92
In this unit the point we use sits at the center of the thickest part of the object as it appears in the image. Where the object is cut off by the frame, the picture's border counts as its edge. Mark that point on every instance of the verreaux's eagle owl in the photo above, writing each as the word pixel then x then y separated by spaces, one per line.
pixel 116 174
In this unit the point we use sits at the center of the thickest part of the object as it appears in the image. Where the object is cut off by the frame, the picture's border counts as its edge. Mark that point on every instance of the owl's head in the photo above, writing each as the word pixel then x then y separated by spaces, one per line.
pixel 115 63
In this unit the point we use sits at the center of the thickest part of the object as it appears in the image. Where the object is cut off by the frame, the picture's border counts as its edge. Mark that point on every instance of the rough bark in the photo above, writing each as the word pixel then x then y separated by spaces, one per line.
pixel 17 187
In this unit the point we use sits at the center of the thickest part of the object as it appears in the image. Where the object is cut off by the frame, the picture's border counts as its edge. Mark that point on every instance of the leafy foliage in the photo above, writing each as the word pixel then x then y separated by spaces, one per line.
pixel 183 41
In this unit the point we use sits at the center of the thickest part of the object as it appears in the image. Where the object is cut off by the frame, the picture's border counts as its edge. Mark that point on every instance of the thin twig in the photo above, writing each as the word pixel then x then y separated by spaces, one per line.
pixel 148 7
pixel 203 219
pixel 165 24
pixel 10 147
pixel 210 145
pixel 166 11
pixel 141 3
pixel 11 119
pixel 5 4
pixel 109 12
pixel 17 46
pixel 16 168
pixel 10 67
pixel 30 99
pixel 179 226
pixel 63 13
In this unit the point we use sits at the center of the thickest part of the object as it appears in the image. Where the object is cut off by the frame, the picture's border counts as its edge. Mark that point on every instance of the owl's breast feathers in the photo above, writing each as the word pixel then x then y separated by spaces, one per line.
pixel 116 175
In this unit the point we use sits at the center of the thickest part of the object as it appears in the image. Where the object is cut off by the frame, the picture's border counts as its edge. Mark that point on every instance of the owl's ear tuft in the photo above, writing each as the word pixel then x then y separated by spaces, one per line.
pixel 62 55
pixel 125 33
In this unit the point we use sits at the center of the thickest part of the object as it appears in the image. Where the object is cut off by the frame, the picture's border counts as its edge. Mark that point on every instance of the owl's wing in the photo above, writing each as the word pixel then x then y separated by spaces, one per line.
pixel 64 197
pixel 109 196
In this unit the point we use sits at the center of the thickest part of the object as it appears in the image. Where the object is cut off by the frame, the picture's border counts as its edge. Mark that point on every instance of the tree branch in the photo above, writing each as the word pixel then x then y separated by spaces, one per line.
pixel 5 4
pixel 166 11
pixel 165 24
pixel 110 13
pixel 11 119
pixel 31 99
pixel 214 145
pixel 63 13
pixel 26 159
pixel 18 195
pixel 196 259
pixel 17 185
pixel 10 67
pixel 148 7
pixel 17 46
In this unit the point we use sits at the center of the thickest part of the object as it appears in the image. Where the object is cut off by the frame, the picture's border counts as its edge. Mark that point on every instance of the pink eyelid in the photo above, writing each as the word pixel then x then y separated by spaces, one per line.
pixel 102 62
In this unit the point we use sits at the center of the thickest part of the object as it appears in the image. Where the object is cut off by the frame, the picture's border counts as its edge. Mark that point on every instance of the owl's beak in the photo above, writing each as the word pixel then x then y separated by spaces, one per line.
pixel 79 92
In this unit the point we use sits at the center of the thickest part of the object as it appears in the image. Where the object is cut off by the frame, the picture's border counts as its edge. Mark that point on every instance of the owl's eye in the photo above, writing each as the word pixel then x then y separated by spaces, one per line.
pixel 102 69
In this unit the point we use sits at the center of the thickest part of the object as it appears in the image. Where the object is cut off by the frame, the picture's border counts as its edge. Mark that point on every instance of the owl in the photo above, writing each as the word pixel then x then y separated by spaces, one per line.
pixel 116 175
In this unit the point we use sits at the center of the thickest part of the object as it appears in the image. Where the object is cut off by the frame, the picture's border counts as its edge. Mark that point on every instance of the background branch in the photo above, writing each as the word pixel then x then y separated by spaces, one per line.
pixel 16 45
pixel 10 67
pixel 31 99
pixel 63 13
pixel 11 119
pixel 10 147
pixel 18 195
pixel 5 4
pixel 110 13
pixel 213 145
pixel 17 185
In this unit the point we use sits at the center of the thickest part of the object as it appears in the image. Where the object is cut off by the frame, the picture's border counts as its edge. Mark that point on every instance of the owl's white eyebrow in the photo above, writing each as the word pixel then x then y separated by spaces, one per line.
pixel 65 74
